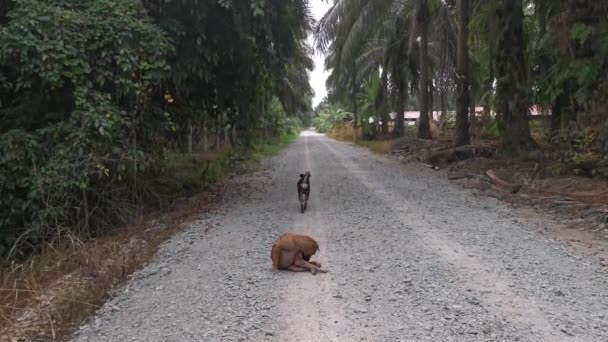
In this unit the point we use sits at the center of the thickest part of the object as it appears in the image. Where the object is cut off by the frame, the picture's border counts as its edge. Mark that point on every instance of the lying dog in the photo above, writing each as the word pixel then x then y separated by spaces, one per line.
pixel 304 190
pixel 292 252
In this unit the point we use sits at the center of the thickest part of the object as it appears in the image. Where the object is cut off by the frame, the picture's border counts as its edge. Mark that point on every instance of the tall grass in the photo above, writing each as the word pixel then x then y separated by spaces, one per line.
pixel 343 132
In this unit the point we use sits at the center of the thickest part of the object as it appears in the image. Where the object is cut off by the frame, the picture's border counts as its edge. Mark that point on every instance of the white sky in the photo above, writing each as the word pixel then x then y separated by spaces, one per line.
pixel 318 76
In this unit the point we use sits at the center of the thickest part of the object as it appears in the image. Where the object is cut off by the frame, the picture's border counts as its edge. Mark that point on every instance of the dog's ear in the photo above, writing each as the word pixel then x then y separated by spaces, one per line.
pixel 302 175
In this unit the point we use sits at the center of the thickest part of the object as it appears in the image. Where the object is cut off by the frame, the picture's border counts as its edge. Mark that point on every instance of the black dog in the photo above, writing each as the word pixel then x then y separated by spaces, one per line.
pixel 304 190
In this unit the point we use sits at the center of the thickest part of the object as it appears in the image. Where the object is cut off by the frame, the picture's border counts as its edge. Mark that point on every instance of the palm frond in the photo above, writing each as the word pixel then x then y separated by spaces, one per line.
pixel 325 29
pixel 371 58
pixel 368 17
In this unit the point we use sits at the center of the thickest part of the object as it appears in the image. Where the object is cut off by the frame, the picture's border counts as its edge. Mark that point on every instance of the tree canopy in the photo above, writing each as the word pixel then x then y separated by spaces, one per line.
pixel 94 93
pixel 511 57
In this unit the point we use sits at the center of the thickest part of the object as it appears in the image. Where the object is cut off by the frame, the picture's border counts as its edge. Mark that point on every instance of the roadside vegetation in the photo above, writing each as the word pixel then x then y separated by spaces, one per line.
pixel 530 75
pixel 105 104
pixel 112 113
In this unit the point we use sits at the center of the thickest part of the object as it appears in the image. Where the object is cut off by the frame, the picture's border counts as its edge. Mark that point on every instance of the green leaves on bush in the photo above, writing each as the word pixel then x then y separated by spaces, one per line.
pixel 330 118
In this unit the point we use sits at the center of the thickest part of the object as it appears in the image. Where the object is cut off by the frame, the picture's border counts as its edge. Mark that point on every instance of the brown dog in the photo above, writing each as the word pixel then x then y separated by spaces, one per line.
pixel 292 252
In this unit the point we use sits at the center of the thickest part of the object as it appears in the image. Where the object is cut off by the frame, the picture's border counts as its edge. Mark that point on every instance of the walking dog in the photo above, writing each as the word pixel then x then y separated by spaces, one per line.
pixel 292 252
pixel 304 190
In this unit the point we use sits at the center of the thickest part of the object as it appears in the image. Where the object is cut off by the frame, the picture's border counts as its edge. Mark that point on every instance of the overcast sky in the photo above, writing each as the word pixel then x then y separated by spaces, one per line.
pixel 318 76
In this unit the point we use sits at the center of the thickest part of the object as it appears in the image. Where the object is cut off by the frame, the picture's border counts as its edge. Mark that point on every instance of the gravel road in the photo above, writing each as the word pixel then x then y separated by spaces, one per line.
pixel 411 257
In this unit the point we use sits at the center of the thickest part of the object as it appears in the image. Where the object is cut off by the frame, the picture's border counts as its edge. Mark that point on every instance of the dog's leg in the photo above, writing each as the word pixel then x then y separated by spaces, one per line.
pixel 275 255
pixel 295 268
pixel 299 261
pixel 316 263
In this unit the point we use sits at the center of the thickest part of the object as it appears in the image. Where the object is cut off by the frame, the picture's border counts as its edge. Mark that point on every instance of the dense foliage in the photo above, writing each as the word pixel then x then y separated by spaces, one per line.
pixel 97 96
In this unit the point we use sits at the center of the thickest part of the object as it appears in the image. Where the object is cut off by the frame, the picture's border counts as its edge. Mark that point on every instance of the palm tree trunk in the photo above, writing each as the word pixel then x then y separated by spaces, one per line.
pixel 383 101
pixel 205 137
pixel 473 122
pixel 189 137
pixel 488 87
pixel 424 131
pixel 563 110
pixel 431 100
pixel 355 124
pixel 233 135
pixel 354 105
pixel 443 99
pixel 511 72
pixel 462 83
pixel 385 119
pixel 399 111
pixel 398 79
pixel 226 130
pixel 218 134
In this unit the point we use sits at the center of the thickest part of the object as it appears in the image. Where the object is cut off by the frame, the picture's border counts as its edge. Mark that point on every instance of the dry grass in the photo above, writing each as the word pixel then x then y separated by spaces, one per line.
pixel 343 133
pixel 54 291
pixel 48 296
pixel 379 146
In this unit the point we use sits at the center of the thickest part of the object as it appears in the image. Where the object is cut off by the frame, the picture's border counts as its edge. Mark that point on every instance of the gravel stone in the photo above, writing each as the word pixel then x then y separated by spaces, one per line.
pixel 442 263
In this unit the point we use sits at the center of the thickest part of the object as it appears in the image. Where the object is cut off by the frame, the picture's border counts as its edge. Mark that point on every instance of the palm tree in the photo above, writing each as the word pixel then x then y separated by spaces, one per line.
pixel 377 32
pixel 443 52
pixel 390 52
pixel 294 90
pixel 512 76
pixel 397 62
pixel 342 34
pixel 462 117
pixel 421 23
pixel 367 103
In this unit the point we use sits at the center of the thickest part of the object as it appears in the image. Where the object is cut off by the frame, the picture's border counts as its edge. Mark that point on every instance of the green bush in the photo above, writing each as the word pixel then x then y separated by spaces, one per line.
pixel 584 163
pixel 80 63
pixel 291 125
pixel 331 118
